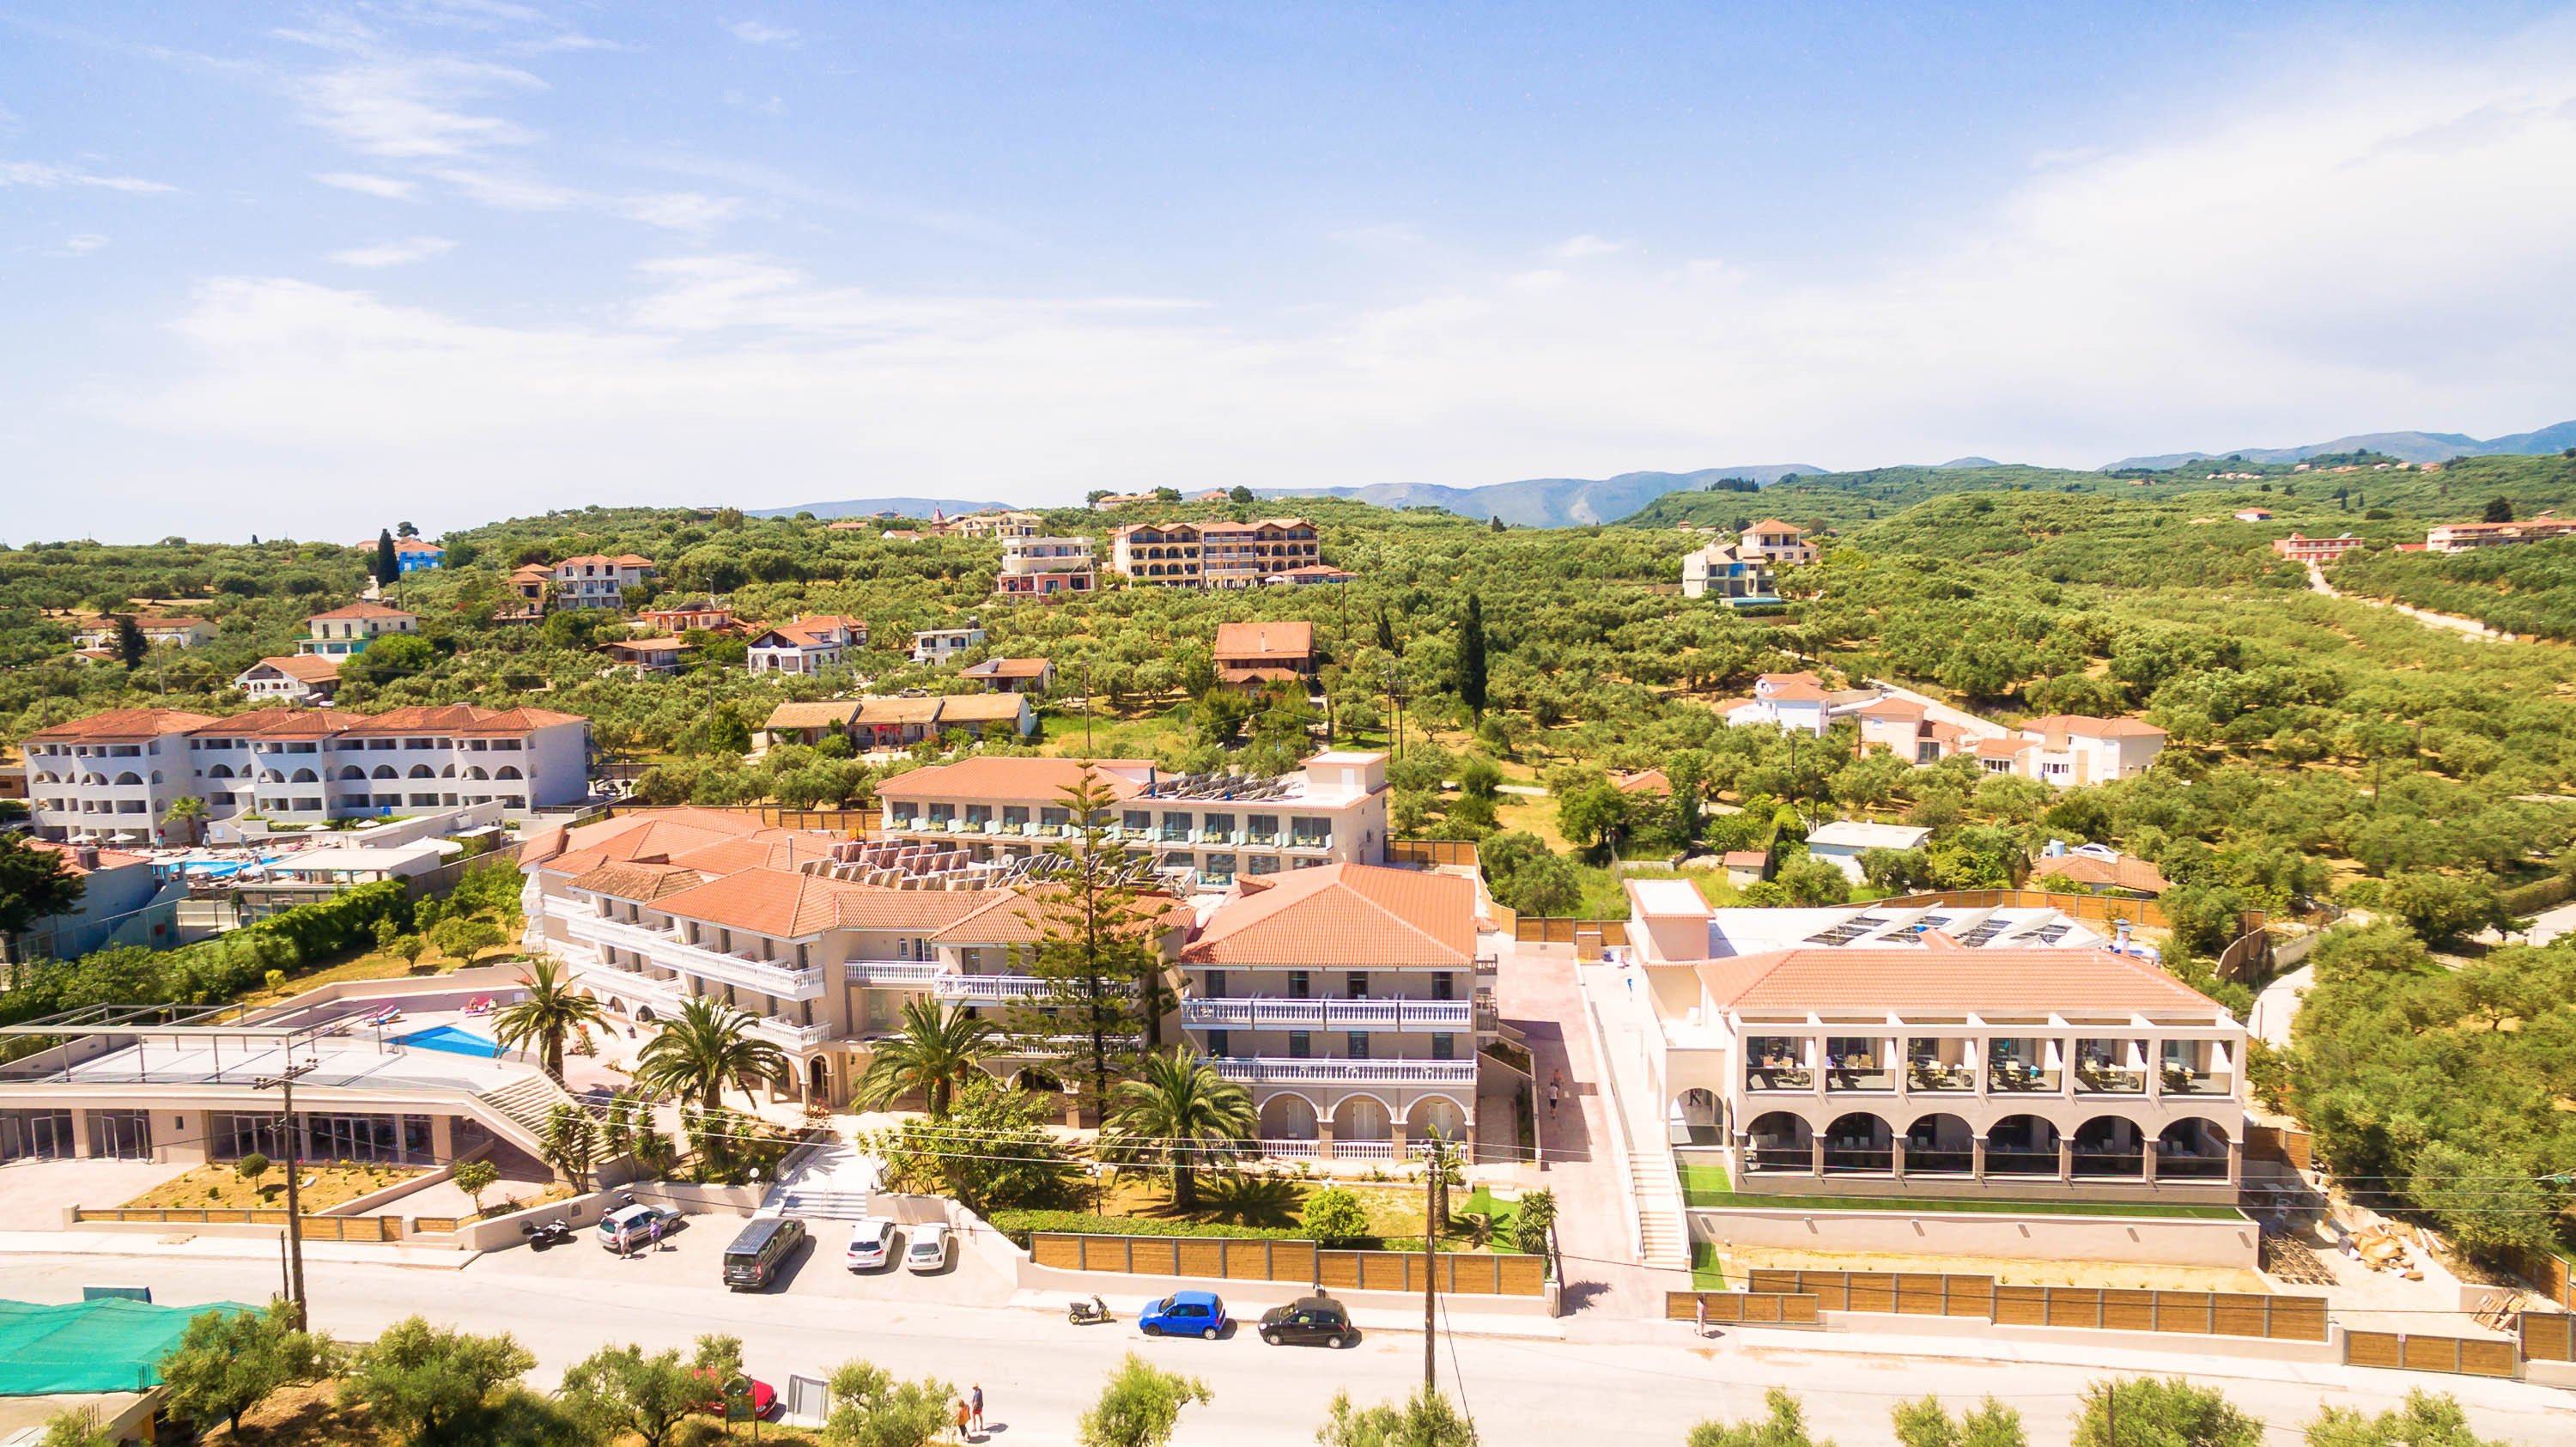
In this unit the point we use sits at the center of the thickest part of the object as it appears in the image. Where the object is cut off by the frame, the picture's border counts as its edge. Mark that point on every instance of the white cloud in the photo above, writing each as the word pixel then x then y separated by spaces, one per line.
pixel 1577 248
pixel 681 210
pixel 41 174
pixel 386 187
pixel 394 253
pixel 2293 269
pixel 78 244
pixel 754 32
pixel 414 107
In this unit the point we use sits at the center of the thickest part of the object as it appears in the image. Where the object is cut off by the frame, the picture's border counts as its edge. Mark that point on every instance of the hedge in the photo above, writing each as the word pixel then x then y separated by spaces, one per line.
pixel 214 970
pixel 1020 1223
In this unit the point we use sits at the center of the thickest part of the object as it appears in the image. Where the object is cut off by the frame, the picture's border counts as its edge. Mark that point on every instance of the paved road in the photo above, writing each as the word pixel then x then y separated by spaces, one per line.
pixel 1038 1372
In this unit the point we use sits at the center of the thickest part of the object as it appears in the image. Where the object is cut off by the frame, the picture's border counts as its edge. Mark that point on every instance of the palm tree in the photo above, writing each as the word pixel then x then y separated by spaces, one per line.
pixel 187 814
pixel 552 1010
pixel 1179 1109
pixel 704 1048
pixel 934 1053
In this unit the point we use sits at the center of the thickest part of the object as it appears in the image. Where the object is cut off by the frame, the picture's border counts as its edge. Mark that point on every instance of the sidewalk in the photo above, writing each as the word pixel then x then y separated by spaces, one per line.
pixel 179 1243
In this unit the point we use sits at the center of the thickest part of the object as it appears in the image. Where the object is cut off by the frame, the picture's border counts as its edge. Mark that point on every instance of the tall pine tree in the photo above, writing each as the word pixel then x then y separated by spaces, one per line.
pixel 1385 630
pixel 131 645
pixel 1098 955
pixel 388 567
pixel 1471 656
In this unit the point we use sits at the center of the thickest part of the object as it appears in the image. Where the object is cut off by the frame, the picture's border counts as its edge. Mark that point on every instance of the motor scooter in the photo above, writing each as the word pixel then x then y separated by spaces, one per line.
pixel 1094 1312
pixel 542 1234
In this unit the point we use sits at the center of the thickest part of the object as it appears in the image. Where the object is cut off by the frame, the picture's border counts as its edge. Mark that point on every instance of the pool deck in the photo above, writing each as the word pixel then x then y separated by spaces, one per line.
pixel 341 1064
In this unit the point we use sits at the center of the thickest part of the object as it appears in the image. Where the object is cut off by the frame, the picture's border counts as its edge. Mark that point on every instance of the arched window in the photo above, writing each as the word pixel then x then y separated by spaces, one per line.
pixel 305 776
pixel 129 777
pixel 385 771
pixel 423 771
pixel 508 771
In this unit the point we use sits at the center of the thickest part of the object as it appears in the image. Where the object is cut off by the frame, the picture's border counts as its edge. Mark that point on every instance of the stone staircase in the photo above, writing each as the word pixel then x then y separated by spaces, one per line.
pixel 814 1205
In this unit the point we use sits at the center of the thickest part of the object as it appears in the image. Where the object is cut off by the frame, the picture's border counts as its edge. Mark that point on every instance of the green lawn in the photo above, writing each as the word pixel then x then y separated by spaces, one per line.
pixel 1709 1186
pixel 1706 1274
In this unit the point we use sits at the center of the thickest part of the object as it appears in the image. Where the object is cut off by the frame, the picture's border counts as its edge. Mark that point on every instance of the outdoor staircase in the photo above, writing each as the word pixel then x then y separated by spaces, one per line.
pixel 818 1205
pixel 1662 1228
pixel 527 1102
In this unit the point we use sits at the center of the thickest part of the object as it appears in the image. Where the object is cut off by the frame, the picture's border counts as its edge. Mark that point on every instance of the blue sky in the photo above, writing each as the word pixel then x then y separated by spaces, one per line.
pixel 293 270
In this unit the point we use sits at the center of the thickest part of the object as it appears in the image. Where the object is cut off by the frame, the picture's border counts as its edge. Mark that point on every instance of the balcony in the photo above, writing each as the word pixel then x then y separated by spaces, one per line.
pixel 789 1034
pixel 664 948
pixel 895 974
pixel 991 989
pixel 2179 1080
pixel 1275 1070
pixel 1444 1017
pixel 661 994
pixel 1931 1077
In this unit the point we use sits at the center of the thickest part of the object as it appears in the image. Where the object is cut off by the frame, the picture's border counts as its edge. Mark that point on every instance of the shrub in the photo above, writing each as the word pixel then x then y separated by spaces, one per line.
pixel 1334 1217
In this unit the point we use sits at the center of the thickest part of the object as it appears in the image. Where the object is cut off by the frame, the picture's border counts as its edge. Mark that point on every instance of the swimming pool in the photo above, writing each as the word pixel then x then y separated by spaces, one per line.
pixel 451 1040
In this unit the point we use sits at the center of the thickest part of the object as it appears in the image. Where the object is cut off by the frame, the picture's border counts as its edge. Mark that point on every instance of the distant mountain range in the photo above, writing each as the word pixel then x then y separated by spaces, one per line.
pixel 2404 446
pixel 859 507
pixel 1550 502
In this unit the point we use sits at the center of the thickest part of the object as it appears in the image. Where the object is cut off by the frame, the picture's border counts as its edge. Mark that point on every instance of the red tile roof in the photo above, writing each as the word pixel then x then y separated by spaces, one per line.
pixel 306 667
pixel 1652 781
pixel 2094 728
pixel 121 725
pixel 1999 981
pixel 2125 872
pixel 1264 642
pixel 70 854
pixel 1007 668
pixel 1355 916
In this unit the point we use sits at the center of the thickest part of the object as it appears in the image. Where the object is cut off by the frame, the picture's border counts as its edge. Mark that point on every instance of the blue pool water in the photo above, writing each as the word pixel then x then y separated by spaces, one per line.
pixel 452 1040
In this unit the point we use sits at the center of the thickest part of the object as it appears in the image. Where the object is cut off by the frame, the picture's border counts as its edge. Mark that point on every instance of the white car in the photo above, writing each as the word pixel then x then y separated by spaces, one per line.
pixel 928 1250
pixel 871 1244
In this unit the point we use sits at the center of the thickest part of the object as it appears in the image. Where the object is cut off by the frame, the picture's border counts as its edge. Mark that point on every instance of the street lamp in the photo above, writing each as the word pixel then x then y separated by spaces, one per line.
pixel 284 1082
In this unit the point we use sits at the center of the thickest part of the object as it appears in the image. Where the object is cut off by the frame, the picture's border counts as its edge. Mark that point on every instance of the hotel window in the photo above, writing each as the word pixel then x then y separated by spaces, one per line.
pixel 1443 986
pixel 1216 984
pixel 1355 984
pixel 1301 1046
pixel 1359 1044
pixel 1444 1047
pixel 1217 1044
pixel 1299 987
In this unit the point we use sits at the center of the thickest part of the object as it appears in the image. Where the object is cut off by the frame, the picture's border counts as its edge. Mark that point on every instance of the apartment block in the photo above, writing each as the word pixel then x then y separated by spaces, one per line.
pixel 1217 554
pixel 2070 749
pixel 944 645
pixel 111 777
pixel 1219 827
pixel 808 645
pixel 1158 555
pixel 1350 1001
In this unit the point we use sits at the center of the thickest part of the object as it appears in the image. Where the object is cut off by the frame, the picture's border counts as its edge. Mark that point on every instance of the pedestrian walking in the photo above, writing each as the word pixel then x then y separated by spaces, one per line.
pixel 964 1414
pixel 656 1237
pixel 1555 1087
pixel 1699 1314
pixel 975 1403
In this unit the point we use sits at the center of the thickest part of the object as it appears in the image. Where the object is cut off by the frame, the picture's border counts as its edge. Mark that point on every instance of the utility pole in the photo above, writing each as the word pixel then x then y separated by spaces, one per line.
pixel 1086 710
pixel 1430 1240
pixel 284 1081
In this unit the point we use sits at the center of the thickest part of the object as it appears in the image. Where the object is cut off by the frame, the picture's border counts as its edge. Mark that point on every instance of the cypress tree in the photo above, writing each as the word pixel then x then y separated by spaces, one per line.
pixel 130 642
pixel 388 568
pixel 1471 656
pixel 1385 630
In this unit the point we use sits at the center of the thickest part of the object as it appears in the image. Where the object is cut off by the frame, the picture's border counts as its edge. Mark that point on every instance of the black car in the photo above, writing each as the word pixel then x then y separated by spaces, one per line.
pixel 1306 1321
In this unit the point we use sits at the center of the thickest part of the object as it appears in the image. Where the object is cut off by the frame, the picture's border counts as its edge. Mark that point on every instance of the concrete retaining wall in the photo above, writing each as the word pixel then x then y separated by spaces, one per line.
pixel 2139 1240
pixel 1978 1328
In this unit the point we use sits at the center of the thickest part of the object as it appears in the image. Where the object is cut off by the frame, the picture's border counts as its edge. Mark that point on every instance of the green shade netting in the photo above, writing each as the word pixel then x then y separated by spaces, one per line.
pixel 90 1346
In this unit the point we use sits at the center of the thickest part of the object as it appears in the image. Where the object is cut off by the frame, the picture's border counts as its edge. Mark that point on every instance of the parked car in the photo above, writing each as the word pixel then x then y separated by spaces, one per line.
pixel 632 1226
pixel 1185 1313
pixel 1307 1321
pixel 765 1245
pixel 764 1397
pixel 928 1250
pixel 871 1244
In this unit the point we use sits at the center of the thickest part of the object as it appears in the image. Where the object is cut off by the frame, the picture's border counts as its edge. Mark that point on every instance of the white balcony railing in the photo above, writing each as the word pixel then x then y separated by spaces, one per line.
pixel 992 988
pixel 1277 1070
pixel 790 1034
pixel 769 977
pixel 1432 1016
pixel 896 974
pixel 618 980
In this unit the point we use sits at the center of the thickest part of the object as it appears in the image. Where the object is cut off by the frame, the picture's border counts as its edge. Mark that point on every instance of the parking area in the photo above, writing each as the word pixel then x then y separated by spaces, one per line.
pixel 33 1193
pixel 694 1256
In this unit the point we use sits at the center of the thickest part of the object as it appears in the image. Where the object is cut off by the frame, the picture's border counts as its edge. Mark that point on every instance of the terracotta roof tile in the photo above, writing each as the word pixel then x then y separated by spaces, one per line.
pixel 1040 779
pixel 121 725
pixel 2094 728
pixel 640 882
pixel 361 610
pixel 1264 642
pixel 1345 916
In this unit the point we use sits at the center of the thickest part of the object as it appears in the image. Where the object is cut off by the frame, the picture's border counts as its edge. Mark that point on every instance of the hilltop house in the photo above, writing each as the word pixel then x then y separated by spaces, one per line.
pixel 299 678
pixel 1781 544
pixel 706 616
pixel 100 635
pixel 344 632
pixel 648 655
pixel 1045 568
pixel 808 645
pixel 942 645
pixel 2467 537
pixel 1012 675
pixel 1252 655
pixel 2067 749
pixel 594 581
pixel 1841 842
pixel 1732 572
pixel 2315 550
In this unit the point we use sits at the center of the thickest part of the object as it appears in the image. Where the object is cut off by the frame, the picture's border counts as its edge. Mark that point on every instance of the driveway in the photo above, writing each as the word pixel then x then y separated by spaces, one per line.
pixel 35 1192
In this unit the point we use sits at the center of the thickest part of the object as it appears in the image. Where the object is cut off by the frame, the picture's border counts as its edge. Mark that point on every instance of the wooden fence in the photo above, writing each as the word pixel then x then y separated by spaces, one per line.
pixel 1743 1308
pixel 1903 1293
pixel 2546 1270
pixel 316 1228
pixel 2288 1145
pixel 2549 1336
pixel 1433 852
pixel 2469 1356
pixel 2192 1313
pixel 1227 1259
pixel 439 1225
pixel 1536 929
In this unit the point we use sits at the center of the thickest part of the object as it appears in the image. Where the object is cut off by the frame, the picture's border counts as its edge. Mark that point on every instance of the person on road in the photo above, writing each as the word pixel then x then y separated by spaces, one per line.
pixel 1699 1314
pixel 656 1237
pixel 1555 1087
pixel 975 1406
pixel 964 1414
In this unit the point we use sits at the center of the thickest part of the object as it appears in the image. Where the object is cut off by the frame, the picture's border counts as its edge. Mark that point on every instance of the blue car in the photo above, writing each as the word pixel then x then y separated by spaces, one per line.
pixel 1185 1313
